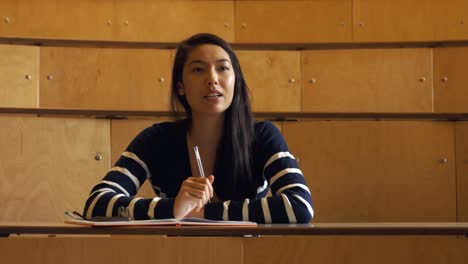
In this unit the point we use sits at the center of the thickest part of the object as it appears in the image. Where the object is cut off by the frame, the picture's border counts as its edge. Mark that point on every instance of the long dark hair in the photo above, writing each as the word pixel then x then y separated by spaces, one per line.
pixel 233 166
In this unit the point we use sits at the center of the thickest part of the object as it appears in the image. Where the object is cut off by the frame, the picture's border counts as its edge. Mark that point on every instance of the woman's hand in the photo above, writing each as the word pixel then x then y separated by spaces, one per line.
pixel 193 195
pixel 197 213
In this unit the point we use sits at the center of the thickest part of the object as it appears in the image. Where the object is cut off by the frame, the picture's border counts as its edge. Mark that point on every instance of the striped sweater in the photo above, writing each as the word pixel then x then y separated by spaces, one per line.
pixel 159 154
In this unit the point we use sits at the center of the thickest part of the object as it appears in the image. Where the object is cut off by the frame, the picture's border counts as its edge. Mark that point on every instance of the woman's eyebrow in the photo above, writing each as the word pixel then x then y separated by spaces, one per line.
pixel 224 60
pixel 197 61
pixel 204 62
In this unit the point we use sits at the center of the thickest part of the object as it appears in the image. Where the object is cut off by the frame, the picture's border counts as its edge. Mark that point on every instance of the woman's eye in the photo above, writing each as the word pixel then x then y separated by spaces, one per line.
pixel 224 68
pixel 197 69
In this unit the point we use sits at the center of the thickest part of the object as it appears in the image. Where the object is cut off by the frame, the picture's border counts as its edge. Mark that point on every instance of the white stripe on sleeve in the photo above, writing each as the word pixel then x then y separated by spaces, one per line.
pixel 262 188
pixel 226 210
pixel 93 203
pixel 289 210
pixel 110 205
pixel 311 211
pixel 300 185
pixel 152 206
pixel 284 172
pixel 266 211
pixel 276 156
pixel 101 190
pixel 116 185
pixel 245 210
pixel 131 207
pixel 139 161
pixel 128 174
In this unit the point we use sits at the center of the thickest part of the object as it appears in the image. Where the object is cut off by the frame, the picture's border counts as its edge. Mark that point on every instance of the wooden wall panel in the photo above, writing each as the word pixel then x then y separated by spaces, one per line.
pixel 269 249
pixel 367 80
pixel 48 165
pixel 123 20
pixel 56 19
pixel 105 78
pixel 461 143
pixel 392 20
pixel 122 249
pixel 19 76
pixel 451 19
pixel 450 80
pixel 173 21
pixel 211 250
pixel 273 78
pixel 366 171
pixel 356 249
pixel 293 21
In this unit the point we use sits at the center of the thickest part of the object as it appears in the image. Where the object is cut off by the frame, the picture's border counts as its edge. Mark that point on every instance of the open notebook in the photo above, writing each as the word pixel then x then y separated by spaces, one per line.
pixel 188 221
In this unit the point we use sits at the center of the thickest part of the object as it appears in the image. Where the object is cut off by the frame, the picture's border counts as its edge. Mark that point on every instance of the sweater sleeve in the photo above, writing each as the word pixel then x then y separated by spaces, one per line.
pixel 290 202
pixel 122 182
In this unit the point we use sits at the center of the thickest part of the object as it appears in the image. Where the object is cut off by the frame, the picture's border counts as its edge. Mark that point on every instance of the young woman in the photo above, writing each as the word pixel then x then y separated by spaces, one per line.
pixel 243 158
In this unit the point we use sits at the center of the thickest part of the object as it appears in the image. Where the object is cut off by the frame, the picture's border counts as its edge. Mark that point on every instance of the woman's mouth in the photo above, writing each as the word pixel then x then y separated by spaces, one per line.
pixel 213 95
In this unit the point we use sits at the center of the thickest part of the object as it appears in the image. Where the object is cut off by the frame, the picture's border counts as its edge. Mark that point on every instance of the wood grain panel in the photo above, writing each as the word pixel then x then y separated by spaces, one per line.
pixel 356 249
pixel 461 143
pixel 293 21
pixel 122 249
pixel 450 80
pixel 393 20
pixel 173 21
pixel 211 250
pixel 56 19
pixel 377 171
pixel 273 78
pixel 19 76
pixel 105 78
pixel 367 80
pixel 48 165
pixel 154 21
pixel 451 19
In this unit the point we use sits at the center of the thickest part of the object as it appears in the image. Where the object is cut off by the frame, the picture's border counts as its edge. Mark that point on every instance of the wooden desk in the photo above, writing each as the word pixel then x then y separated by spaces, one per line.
pixel 315 243
pixel 328 229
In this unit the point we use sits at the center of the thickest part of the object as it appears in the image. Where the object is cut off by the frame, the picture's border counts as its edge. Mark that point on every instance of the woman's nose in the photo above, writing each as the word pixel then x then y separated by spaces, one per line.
pixel 212 78
pixel 212 83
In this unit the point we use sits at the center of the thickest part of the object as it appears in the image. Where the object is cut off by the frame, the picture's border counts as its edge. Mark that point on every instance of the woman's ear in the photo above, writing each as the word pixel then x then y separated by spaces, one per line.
pixel 180 89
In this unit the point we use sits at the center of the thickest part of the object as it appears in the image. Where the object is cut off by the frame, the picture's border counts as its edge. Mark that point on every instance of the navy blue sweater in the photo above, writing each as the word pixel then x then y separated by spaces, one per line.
pixel 159 154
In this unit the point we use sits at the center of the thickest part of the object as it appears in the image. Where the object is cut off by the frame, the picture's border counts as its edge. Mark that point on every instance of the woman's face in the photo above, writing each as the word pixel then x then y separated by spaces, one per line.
pixel 208 80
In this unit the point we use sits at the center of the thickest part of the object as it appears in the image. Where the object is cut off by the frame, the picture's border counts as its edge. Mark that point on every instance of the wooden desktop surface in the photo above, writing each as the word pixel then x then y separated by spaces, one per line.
pixel 394 228
pixel 362 243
